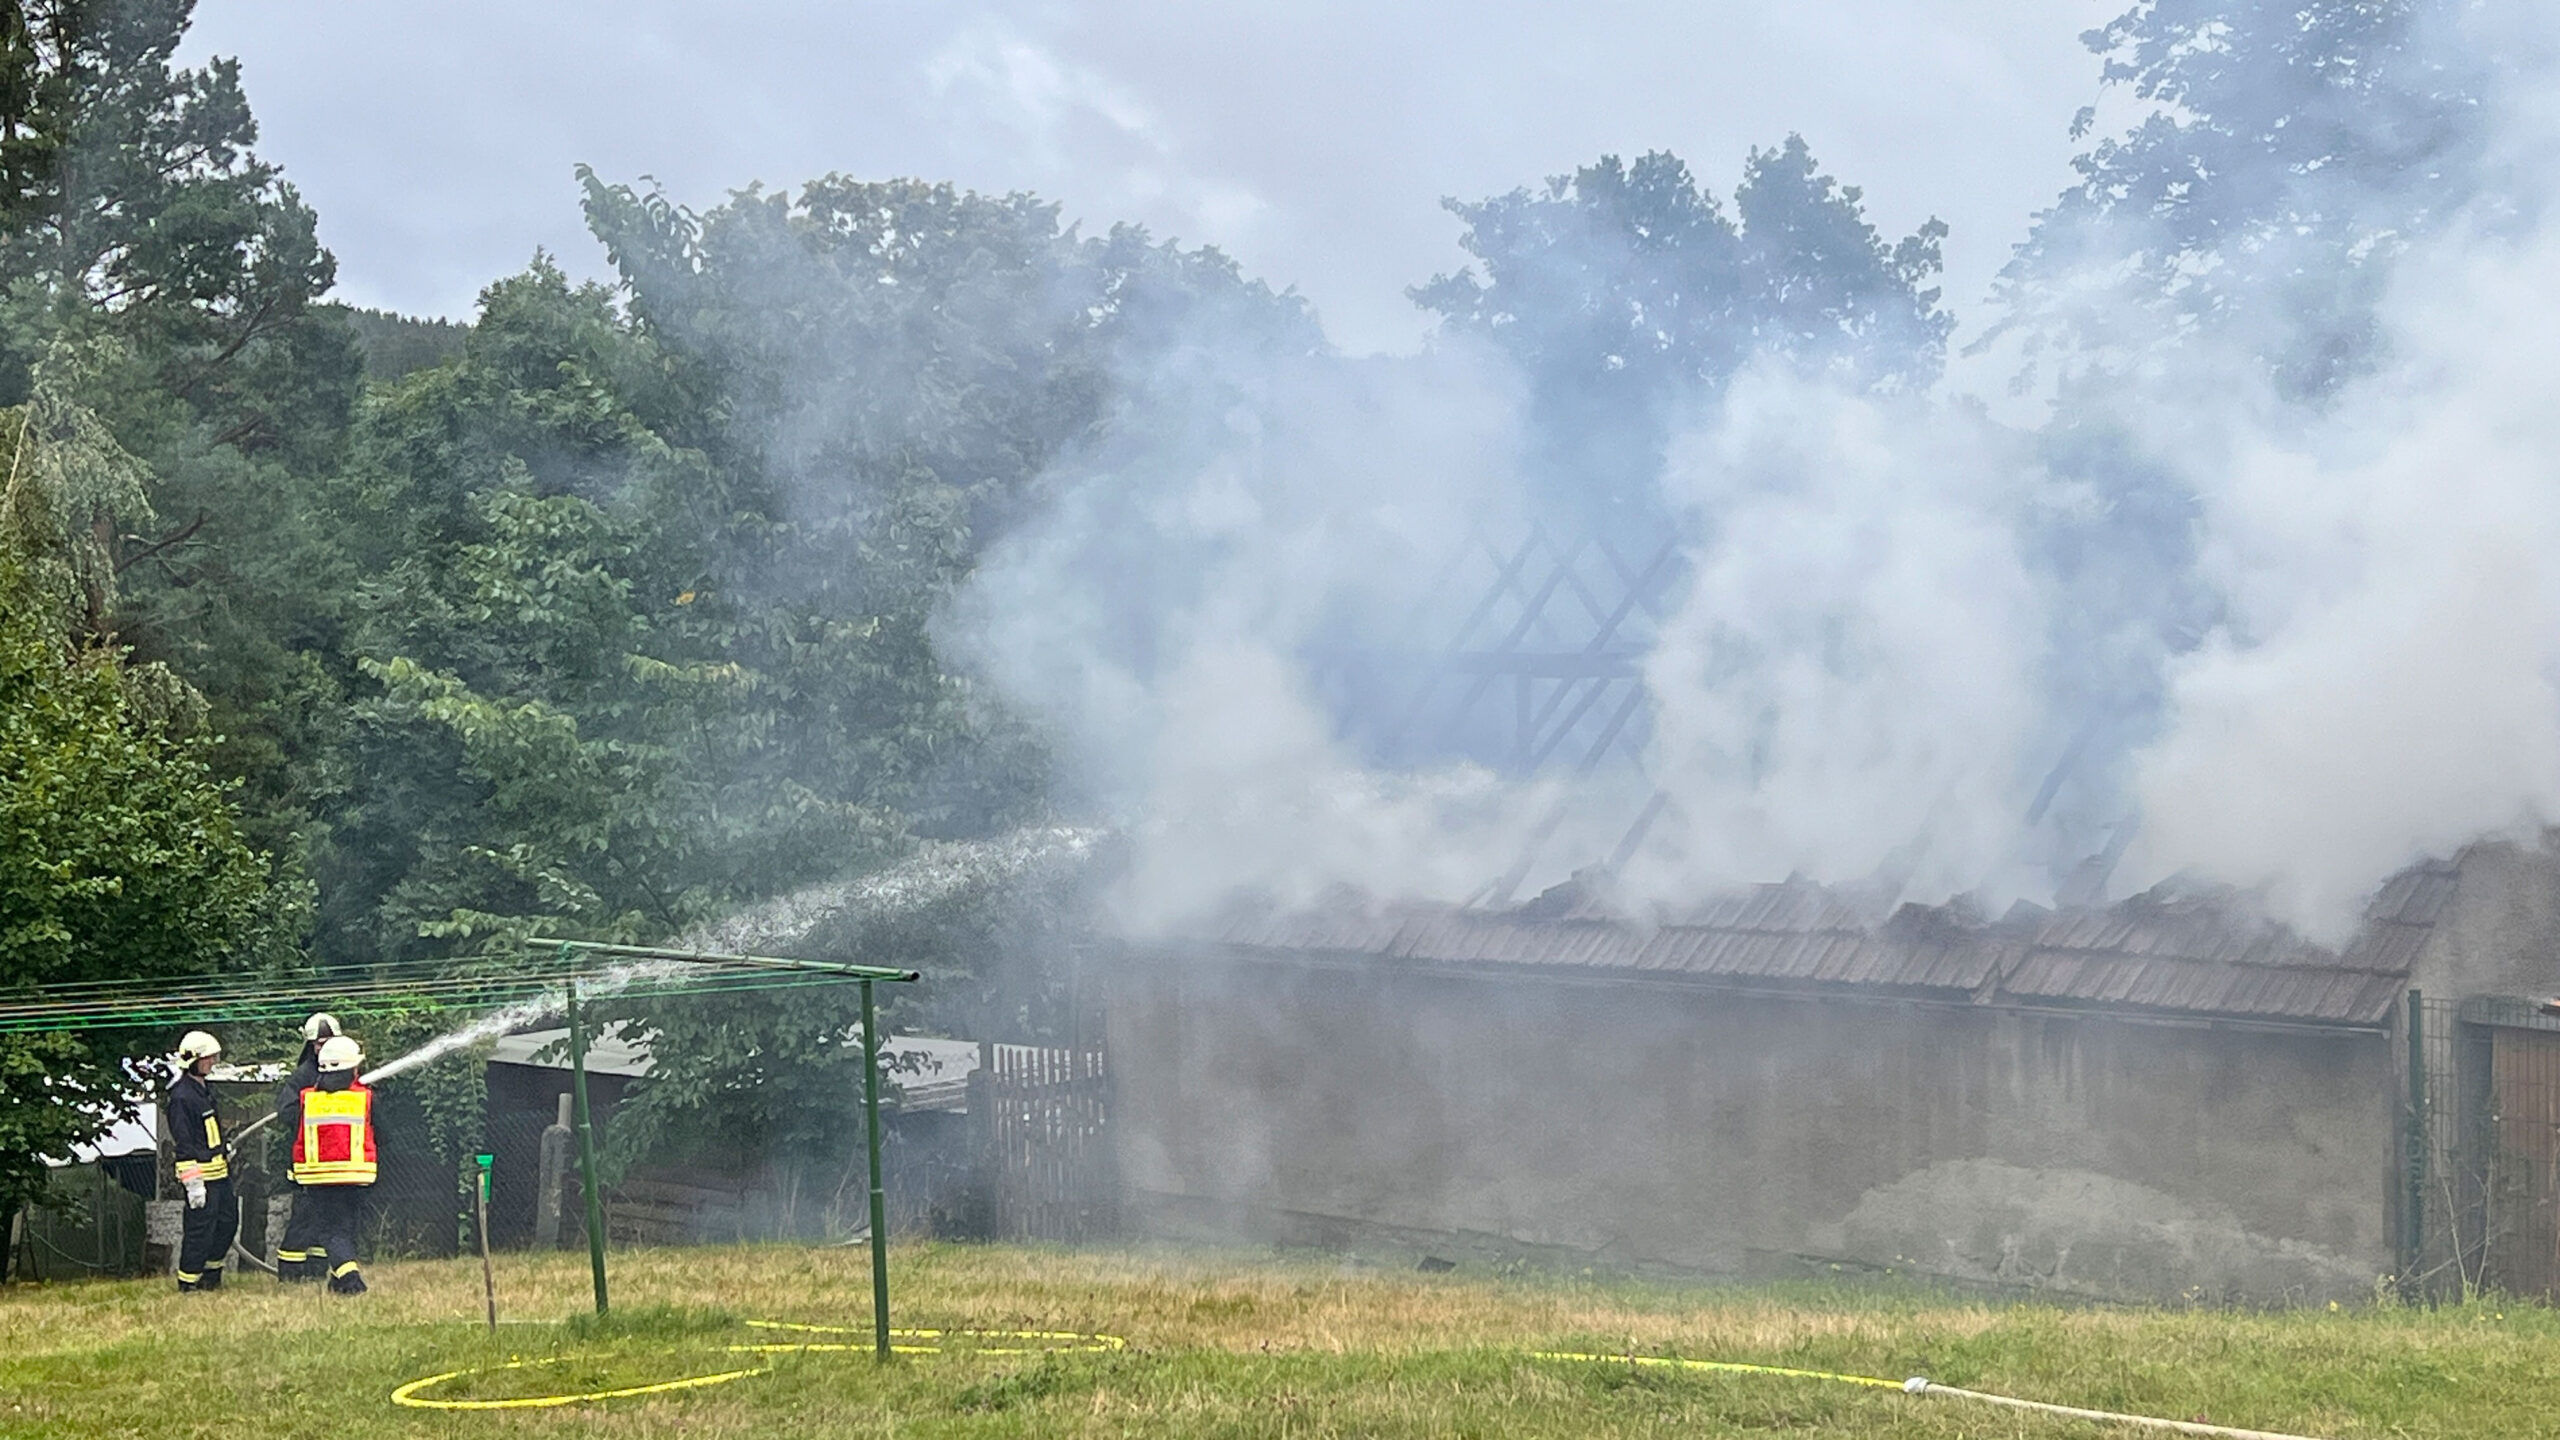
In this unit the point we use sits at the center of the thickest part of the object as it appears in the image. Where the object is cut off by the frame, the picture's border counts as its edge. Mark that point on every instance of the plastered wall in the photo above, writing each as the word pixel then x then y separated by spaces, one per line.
pixel 1717 1132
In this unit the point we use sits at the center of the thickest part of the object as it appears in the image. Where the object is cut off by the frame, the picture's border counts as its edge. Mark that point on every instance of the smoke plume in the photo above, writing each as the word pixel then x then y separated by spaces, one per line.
pixel 2283 644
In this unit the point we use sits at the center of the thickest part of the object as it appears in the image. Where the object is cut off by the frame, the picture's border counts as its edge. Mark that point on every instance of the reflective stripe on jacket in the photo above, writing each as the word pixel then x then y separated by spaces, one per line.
pixel 335 1144
pixel 195 1131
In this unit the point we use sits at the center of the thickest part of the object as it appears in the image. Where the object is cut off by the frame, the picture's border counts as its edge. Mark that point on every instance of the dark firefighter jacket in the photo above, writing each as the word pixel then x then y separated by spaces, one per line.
pixel 289 1094
pixel 195 1127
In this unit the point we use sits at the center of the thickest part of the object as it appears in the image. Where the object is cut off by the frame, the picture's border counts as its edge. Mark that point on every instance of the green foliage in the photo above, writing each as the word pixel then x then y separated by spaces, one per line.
pixel 883 376
pixel 119 859
pixel 570 714
pixel 398 345
pixel 615 610
pixel 743 1081
pixel 170 275
pixel 647 625
pixel 149 214
pixel 2284 155
pixel 899 363
pixel 71 486
pixel 1627 294
pixel 1245 1346
pixel 652 1322
pixel 1634 271
pixel 120 854
pixel 153 325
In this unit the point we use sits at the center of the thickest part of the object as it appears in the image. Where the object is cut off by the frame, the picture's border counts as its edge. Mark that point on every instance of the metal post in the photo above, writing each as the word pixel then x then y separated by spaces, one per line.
pixel 586 1138
pixel 879 1200
pixel 488 1275
pixel 2414 1205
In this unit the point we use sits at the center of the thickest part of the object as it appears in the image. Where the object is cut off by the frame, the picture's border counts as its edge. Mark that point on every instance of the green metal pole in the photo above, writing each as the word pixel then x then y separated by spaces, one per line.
pixel 586 1139
pixel 2414 1218
pixel 879 1199
pixel 488 1272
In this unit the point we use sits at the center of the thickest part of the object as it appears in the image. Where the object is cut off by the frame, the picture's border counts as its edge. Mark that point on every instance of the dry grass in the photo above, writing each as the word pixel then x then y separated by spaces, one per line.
pixel 1223 1344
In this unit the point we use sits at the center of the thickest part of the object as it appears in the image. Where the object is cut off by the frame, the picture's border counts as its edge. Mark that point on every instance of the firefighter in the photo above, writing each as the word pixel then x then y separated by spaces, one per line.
pixel 299 1256
pixel 204 1166
pixel 333 1156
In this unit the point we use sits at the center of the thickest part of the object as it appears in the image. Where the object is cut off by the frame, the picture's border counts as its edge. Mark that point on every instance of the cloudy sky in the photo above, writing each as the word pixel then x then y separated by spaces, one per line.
pixel 1312 139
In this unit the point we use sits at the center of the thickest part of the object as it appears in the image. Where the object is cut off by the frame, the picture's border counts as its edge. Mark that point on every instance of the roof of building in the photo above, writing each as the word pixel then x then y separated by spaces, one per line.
pixel 2164 952
pixel 930 1073
pixel 137 1135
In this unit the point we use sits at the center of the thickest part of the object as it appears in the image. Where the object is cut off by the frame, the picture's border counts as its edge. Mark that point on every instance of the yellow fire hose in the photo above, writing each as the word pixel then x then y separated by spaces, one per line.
pixel 916 1342
pixel 1035 1342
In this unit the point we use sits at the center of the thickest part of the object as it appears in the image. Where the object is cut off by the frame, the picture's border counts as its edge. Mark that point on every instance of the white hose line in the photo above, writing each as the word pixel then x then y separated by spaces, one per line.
pixel 254 1127
pixel 240 1251
pixel 1919 1385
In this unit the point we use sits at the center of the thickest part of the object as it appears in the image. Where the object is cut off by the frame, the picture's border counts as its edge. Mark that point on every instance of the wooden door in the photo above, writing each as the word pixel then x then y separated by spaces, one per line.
pixel 2523 1189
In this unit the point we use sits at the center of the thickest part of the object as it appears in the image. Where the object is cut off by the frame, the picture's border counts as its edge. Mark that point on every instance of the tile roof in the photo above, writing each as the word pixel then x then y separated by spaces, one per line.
pixel 2162 952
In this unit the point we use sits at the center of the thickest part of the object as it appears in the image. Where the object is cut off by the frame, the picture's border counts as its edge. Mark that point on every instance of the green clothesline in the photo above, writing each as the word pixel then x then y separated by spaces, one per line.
pixel 272 1005
pixel 234 999
pixel 231 999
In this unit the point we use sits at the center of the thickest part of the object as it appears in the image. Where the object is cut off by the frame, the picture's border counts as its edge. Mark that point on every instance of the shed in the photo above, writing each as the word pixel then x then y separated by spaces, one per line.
pixel 723 1195
pixel 2170 1096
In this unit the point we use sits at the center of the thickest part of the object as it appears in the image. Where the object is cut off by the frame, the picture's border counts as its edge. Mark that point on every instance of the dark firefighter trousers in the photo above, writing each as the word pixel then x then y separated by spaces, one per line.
pixel 300 1255
pixel 335 1212
pixel 205 1235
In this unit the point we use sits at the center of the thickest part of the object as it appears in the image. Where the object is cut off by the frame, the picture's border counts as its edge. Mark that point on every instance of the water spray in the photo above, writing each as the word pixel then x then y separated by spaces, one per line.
pixel 520 1015
pixel 519 999
pixel 937 872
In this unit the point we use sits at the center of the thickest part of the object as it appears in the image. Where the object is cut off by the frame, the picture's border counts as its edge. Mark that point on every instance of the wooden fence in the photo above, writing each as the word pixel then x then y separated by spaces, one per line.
pixel 1045 1152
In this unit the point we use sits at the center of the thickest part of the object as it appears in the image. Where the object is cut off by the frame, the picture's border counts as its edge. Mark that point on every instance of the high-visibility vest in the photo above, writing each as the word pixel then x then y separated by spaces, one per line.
pixel 335 1144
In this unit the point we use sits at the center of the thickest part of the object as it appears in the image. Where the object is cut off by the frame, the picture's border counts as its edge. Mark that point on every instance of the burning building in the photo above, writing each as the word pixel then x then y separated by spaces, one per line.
pixel 2165 1097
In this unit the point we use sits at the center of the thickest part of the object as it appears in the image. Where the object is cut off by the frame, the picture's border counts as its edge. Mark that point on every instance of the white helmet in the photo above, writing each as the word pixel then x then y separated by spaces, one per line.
pixel 321 1026
pixel 196 1045
pixel 340 1052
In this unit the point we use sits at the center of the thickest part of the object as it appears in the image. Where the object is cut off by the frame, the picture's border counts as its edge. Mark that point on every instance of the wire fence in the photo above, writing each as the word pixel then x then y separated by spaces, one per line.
pixel 2438 1250
pixel 93 1225
pixel 945 1174
pixel 2479 1200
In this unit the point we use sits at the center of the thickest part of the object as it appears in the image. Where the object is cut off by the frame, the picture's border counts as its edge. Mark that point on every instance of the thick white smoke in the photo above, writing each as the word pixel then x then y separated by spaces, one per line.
pixel 1849 688
pixel 1162 618
pixel 2385 689
pixel 1868 677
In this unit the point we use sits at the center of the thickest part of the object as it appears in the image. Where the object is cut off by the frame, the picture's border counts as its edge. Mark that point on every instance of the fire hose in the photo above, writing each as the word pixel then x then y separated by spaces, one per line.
pixel 925 1342
pixel 239 1207
pixel 1031 1342
pixel 1922 1385
pixel 917 1342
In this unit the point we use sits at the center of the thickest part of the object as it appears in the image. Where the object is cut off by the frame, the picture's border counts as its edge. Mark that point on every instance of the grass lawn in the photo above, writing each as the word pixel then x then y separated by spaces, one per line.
pixel 1219 1344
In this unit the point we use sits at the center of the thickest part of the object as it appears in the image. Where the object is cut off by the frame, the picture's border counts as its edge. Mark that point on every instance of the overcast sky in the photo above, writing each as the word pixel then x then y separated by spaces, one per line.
pixel 1311 139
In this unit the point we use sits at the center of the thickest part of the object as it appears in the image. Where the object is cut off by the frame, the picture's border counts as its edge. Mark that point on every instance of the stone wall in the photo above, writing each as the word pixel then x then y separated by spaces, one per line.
pixel 1668 1126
